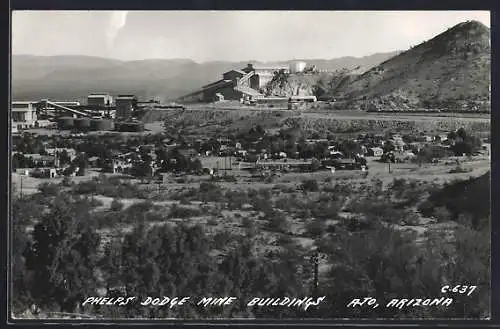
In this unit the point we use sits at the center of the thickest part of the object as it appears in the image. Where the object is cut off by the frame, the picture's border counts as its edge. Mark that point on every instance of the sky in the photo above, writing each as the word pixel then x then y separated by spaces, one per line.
pixel 228 35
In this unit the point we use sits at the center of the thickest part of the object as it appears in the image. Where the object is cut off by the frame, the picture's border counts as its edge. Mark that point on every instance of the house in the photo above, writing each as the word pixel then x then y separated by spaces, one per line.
pixel 43 173
pixel 241 153
pixel 409 154
pixel 41 160
pixel 93 162
pixel 148 148
pixel 121 166
pixel 336 155
pixel 398 144
pixel 55 151
pixel 375 151
pixel 188 152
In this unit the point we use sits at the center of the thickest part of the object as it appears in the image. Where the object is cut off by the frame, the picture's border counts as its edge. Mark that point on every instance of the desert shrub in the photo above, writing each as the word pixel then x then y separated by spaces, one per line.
pixel 261 200
pixel 325 210
pixel 284 240
pixel 94 202
pixel 222 239
pixel 277 221
pixel 310 185
pixel 236 199
pixel 66 182
pixel 398 186
pixel 48 189
pixel 86 187
pixel 442 214
pixel 210 192
pixel 459 170
pixel 411 218
pixel 116 205
pixel 138 210
pixel 285 203
pixel 426 208
pixel 212 221
pixel 315 228
pixel 184 201
pixel 247 222
pixel 183 212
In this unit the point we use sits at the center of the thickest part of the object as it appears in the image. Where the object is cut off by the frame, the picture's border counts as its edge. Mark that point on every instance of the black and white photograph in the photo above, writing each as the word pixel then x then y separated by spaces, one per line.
pixel 249 165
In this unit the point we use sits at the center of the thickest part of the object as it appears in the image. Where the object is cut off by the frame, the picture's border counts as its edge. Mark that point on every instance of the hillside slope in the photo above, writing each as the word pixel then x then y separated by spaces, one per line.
pixel 450 71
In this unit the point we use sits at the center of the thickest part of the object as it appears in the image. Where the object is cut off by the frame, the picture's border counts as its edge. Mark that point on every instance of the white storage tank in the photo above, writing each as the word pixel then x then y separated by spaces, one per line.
pixel 297 67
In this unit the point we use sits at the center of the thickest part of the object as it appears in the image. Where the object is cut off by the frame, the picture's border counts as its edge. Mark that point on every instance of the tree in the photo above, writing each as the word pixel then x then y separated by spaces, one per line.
pixel 62 256
pixel 310 185
pixel 24 212
pixel 81 162
pixel 64 158
pixel 388 146
pixel 452 135
pixel 315 164
pixel 17 161
pixel 349 148
pixel 195 165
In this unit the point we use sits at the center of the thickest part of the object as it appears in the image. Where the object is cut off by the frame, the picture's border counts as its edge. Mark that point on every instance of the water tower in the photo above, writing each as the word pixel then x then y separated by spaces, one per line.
pixel 297 67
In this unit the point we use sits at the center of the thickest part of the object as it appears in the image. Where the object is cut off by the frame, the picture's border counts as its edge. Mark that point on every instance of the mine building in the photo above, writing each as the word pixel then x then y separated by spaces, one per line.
pixel 23 114
pixel 99 99
pixel 242 85
pixel 125 105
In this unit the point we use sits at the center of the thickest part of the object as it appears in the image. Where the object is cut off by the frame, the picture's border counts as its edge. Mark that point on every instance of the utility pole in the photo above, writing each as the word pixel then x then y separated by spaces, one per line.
pixel 21 187
pixel 315 261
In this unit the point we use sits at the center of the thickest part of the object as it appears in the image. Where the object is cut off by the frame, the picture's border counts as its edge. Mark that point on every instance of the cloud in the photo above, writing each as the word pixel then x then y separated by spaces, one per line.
pixel 117 21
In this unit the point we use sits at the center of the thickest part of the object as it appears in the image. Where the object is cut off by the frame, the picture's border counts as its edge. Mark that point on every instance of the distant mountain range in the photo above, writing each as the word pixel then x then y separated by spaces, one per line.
pixel 73 77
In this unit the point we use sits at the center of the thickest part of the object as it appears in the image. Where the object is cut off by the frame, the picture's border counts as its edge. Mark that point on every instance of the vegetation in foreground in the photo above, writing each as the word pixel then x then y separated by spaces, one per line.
pixel 66 257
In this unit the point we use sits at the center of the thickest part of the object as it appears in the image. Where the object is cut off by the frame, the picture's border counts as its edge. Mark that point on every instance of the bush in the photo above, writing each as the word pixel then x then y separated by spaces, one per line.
pixel 426 208
pixel 247 222
pixel 442 214
pixel 222 239
pixel 66 182
pixel 116 205
pixel 48 189
pixel 459 170
pixel 212 221
pixel 183 212
pixel 284 240
pixel 184 201
pixel 310 185
pixel 94 202
pixel 277 221
pixel 315 228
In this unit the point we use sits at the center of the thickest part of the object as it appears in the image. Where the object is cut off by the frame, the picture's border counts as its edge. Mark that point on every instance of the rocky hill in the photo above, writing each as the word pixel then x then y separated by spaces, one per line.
pixel 450 71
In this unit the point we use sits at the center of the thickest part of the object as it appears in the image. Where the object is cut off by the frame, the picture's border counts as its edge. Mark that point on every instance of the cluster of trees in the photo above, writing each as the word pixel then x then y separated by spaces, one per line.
pixel 464 142
pixel 59 265
pixel 30 144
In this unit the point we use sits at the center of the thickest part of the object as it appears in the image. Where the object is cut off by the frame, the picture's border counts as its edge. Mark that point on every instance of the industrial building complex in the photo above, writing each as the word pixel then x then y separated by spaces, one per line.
pixel 102 112
pixel 106 112
pixel 245 85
